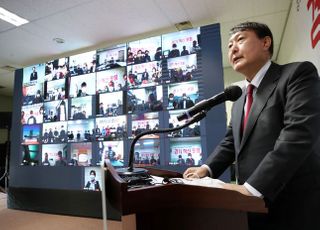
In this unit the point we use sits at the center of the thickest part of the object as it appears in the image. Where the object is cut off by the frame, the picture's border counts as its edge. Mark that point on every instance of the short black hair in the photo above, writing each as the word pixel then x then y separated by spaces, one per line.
pixel 260 29
pixel 93 172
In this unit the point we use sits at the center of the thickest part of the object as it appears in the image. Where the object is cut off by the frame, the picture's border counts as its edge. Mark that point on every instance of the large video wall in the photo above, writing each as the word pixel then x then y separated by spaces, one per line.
pixel 76 108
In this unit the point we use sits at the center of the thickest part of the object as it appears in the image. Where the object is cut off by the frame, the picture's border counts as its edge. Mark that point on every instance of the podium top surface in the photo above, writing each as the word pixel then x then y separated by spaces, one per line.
pixel 150 198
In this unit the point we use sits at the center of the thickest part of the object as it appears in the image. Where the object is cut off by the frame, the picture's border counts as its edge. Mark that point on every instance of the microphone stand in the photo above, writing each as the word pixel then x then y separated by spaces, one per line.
pixel 131 171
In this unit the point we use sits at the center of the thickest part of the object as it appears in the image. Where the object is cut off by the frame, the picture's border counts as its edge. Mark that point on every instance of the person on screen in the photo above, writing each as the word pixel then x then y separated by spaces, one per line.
pixel 187 77
pixel 60 160
pixel 83 91
pixel 178 75
pixel 155 75
pixel 63 134
pixel 26 160
pixel 41 111
pixel 137 158
pixel 101 108
pixel 46 162
pixel 78 136
pixel 129 52
pixel 87 135
pixel 184 51
pixel 62 111
pixel 31 120
pixel 130 58
pixel 147 57
pixel 145 77
pixel 38 97
pixel 153 103
pixel 185 102
pixel 74 160
pixel 153 161
pixel 174 52
pixel 23 119
pixel 97 131
pixel 78 70
pixel 93 184
pixel 190 161
pixel 110 154
pixel 139 58
pixel 147 126
pixel 120 131
pixel 45 138
pixel 120 87
pixel 56 134
pixel 195 48
pixel 132 79
pixel 93 66
pixel 70 136
pixel 34 74
pixel 85 68
pixel 111 86
pixel 273 137
pixel 172 102
pixel 61 72
pixel 50 136
pixel 180 160
pixel 158 54
pixel 107 133
pixel 109 111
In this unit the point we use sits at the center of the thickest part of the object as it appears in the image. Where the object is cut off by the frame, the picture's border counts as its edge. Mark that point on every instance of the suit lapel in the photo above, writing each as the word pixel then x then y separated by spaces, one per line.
pixel 261 97
pixel 237 120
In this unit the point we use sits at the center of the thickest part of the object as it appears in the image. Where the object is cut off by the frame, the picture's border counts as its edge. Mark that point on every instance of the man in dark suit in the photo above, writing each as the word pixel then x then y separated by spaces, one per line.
pixel 277 151
pixel 34 74
pixel 174 52
pixel 185 102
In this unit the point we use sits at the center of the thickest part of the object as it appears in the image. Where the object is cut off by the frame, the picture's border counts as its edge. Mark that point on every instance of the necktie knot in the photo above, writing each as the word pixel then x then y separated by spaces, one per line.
pixel 250 88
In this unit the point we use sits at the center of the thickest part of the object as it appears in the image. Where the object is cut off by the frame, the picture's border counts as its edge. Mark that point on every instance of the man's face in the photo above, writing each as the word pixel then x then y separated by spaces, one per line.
pixel 247 51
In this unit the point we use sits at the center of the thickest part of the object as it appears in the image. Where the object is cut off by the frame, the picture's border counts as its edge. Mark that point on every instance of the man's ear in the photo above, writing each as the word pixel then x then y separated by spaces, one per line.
pixel 267 42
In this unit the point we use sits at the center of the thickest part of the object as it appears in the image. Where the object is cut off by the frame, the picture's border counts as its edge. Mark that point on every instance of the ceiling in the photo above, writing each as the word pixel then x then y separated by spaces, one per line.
pixel 89 24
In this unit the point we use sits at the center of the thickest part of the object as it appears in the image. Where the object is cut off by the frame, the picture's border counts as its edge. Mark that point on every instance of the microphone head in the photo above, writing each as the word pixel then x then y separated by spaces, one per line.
pixel 232 93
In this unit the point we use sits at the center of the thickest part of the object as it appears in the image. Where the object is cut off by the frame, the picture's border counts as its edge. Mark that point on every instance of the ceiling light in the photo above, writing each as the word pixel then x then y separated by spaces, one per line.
pixel 183 25
pixel 11 17
pixel 58 40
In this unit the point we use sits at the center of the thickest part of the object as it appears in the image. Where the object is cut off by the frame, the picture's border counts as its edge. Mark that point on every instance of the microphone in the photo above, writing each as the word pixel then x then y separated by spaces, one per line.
pixel 231 93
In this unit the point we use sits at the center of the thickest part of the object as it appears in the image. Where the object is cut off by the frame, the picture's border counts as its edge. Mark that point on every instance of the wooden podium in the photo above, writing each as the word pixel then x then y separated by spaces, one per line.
pixel 178 206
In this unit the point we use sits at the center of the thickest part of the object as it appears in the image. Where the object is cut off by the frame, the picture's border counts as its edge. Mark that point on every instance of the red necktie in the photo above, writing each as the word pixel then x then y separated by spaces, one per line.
pixel 249 103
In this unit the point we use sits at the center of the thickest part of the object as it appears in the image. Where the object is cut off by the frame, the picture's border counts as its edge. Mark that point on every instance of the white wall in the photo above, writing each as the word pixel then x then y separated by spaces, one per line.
pixel 297 43
pixel 231 77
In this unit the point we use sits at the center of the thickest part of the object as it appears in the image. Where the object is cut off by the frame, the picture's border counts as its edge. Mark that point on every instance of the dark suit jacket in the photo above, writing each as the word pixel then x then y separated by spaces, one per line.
pixel 279 151
pixel 33 76
pixel 189 103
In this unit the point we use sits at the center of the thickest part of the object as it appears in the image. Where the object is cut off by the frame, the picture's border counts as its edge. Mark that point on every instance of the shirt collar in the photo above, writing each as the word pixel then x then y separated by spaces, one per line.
pixel 260 75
